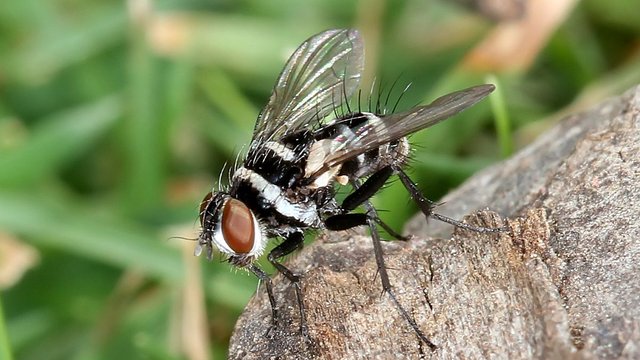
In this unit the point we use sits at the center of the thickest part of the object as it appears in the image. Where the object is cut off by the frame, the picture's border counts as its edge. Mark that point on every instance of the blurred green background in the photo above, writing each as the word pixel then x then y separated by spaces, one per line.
pixel 117 117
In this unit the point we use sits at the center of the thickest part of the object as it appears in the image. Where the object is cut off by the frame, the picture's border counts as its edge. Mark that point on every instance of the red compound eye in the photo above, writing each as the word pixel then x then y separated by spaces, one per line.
pixel 203 206
pixel 237 226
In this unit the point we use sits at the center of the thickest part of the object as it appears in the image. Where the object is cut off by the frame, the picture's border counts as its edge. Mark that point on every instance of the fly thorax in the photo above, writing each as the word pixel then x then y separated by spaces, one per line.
pixel 272 202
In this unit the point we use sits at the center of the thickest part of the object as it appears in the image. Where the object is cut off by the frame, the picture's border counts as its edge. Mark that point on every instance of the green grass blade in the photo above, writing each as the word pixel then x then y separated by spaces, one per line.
pixel 501 116
pixel 59 139
pixel 5 347
pixel 62 43
pixel 142 142
pixel 54 222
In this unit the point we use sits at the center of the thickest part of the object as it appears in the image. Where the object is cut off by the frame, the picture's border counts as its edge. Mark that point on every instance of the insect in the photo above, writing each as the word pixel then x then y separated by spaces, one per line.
pixel 286 184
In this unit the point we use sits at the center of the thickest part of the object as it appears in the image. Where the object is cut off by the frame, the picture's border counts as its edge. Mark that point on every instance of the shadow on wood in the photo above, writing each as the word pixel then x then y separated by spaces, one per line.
pixel 563 284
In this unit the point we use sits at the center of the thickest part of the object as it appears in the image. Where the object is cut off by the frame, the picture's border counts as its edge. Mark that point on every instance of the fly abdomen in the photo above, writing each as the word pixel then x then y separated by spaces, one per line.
pixel 350 129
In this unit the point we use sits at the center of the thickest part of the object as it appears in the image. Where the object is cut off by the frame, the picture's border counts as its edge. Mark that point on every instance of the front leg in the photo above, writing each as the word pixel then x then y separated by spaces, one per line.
pixel 264 277
pixel 293 241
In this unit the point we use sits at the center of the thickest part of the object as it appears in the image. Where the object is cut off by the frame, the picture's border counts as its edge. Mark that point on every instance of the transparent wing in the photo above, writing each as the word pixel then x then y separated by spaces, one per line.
pixel 373 134
pixel 322 72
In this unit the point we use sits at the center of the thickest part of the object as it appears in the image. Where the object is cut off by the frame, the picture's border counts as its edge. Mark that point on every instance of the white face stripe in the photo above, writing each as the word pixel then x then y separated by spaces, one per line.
pixel 218 239
pixel 306 213
pixel 282 151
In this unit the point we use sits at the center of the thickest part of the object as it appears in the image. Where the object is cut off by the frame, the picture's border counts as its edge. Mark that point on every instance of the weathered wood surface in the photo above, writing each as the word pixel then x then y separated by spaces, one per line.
pixel 565 283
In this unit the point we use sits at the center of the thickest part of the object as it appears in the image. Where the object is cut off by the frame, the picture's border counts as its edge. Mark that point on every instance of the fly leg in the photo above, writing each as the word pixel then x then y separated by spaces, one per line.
pixel 364 192
pixel 344 221
pixel 427 206
pixel 384 277
pixel 292 242
pixel 264 277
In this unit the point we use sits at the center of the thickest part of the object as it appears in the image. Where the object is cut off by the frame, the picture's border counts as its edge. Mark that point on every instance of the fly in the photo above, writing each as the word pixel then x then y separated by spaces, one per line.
pixel 286 184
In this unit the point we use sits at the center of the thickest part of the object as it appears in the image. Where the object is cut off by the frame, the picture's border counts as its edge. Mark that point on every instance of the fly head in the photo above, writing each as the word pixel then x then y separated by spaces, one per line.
pixel 232 227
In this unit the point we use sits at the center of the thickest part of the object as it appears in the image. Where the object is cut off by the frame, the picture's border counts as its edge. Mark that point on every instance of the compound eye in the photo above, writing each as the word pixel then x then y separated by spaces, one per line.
pixel 203 206
pixel 237 226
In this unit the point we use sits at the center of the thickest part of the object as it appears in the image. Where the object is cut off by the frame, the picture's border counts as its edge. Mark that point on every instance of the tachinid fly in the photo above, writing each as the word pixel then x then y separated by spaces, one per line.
pixel 286 183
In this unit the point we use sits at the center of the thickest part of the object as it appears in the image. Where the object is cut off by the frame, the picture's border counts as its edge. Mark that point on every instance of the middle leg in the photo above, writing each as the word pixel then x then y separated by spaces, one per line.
pixel 384 277
pixel 345 221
